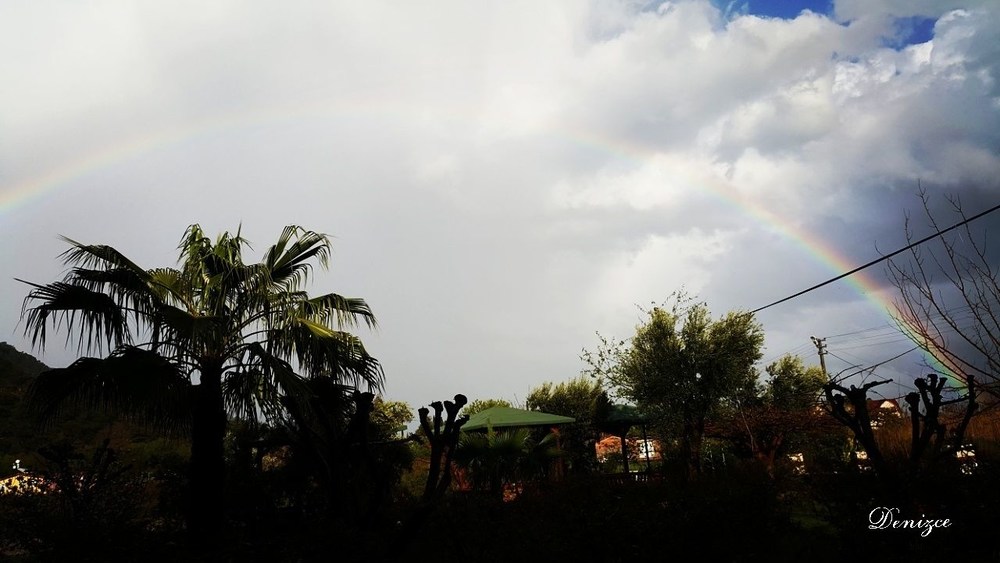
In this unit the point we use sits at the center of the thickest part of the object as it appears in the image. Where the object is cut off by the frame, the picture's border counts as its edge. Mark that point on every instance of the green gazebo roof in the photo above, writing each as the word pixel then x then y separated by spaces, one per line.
pixel 498 417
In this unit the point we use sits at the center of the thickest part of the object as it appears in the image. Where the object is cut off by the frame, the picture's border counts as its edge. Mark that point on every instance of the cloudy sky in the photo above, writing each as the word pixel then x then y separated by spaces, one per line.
pixel 505 179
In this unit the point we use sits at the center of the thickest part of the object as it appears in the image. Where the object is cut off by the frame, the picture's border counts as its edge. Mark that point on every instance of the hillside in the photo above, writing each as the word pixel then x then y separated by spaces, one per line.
pixel 17 368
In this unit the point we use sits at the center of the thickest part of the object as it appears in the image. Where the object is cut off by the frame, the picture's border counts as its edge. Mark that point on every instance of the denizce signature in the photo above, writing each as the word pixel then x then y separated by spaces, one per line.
pixel 883 518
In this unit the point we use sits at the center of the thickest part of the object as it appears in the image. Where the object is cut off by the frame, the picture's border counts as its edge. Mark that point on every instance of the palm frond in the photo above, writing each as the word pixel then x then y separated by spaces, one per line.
pixel 123 285
pixel 320 350
pixel 97 256
pixel 170 286
pixel 102 319
pixel 184 325
pixel 194 246
pixel 123 280
pixel 258 382
pixel 229 247
pixel 288 259
pixel 134 383
pixel 332 309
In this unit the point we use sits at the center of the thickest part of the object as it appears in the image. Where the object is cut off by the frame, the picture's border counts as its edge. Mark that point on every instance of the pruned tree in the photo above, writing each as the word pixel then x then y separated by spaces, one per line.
pixel 442 434
pixel 849 405
pixel 932 439
pixel 928 428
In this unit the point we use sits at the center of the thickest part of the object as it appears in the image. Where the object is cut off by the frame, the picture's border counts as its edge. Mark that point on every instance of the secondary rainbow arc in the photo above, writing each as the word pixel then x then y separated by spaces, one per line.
pixel 46 182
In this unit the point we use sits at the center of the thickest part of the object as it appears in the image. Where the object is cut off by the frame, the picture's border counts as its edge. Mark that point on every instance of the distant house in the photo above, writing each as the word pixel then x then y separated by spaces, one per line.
pixel 610 447
pixel 966 457
pixel 883 410
pixel 888 406
pixel 797 462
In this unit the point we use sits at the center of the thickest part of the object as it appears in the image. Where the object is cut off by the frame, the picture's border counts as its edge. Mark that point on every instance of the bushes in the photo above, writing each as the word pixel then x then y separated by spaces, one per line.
pixel 92 507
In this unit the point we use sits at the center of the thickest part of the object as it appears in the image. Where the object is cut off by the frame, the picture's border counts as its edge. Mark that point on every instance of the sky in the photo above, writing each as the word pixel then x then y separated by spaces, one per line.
pixel 503 181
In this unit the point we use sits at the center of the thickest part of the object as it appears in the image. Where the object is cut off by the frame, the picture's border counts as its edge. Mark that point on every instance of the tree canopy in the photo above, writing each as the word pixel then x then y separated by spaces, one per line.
pixel 480 405
pixel 778 413
pixel 681 365
pixel 576 398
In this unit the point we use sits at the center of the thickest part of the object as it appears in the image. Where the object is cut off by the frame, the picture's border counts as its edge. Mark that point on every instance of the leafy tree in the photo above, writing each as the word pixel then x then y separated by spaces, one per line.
pixel 389 418
pixel 573 398
pixel 480 405
pixel 681 365
pixel 792 385
pixel 576 398
pixel 212 338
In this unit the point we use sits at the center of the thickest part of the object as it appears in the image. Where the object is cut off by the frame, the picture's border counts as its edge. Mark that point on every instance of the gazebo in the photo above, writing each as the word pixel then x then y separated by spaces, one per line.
pixel 499 417
pixel 508 417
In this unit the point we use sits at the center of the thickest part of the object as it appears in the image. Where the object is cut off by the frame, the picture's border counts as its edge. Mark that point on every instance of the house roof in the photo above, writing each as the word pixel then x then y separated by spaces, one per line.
pixel 875 404
pixel 497 417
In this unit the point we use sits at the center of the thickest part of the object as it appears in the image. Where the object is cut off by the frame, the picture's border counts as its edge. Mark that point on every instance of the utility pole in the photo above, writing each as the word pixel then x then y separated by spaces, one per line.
pixel 821 350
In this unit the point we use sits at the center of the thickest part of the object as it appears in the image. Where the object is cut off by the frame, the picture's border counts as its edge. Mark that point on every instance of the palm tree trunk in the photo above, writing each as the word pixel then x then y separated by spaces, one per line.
pixel 208 465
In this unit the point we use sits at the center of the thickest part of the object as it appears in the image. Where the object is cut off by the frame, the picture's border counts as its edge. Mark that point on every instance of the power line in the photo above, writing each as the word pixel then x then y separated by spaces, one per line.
pixel 871 369
pixel 882 259
pixel 850 364
pixel 882 326
pixel 882 341
pixel 793 352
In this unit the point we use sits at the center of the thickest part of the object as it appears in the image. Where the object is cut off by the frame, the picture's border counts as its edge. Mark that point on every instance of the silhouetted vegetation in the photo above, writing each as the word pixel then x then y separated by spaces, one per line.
pixel 748 467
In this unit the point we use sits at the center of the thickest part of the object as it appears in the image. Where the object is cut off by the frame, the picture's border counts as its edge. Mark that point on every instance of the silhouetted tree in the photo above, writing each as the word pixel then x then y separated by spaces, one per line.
pixel 442 433
pixel 932 440
pixel 231 326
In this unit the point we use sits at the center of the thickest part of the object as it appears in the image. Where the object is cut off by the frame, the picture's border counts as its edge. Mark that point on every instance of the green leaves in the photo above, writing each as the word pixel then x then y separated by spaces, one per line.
pixel 287 260
pixel 320 350
pixel 680 361
pixel 792 385
pixel 255 385
pixel 334 310
pixel 494 458
pixel 96 317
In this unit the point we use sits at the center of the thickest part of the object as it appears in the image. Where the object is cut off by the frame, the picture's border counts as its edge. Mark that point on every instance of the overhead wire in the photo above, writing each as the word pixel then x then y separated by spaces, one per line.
pixel 878 260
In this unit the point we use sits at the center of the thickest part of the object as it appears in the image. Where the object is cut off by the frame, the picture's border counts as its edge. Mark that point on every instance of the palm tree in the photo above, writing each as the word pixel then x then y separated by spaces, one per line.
pixel 496 458
pixel 193 345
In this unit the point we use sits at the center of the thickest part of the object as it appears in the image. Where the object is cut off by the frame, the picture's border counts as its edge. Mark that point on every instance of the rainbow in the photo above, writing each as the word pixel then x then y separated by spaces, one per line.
pixel 134 146
pixel 38 186
pixel 723 191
